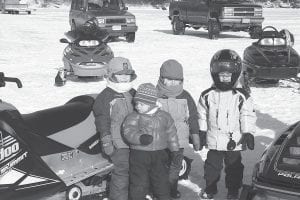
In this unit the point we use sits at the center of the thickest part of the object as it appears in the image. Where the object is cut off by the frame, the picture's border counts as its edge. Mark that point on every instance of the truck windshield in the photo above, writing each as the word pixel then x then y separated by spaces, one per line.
pixel 109 4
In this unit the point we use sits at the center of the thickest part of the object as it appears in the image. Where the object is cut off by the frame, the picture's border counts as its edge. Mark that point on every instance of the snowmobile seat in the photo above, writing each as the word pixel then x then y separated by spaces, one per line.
pixel 49 121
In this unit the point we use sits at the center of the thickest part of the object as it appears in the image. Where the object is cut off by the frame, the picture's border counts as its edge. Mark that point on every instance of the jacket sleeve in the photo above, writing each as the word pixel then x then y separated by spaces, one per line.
pixel 101 110
pixel 202 113
pixel 131 129
pixel 171 131
pixel 248 116
pixel 193 115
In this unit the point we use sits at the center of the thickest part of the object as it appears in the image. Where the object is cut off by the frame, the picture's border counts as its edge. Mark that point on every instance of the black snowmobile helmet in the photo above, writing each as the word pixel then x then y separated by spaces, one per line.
pixel 225 60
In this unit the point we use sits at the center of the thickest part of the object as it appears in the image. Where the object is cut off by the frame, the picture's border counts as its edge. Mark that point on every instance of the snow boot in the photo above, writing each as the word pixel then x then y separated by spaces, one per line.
pixel 206 196
pixel 60 79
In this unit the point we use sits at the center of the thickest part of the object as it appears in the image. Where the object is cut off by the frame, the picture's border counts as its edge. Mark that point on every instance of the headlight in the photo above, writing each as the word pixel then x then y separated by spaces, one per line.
pixel 130 20
pixel 100 20
pixel 258 11
pixel 68 50
pixel 228 11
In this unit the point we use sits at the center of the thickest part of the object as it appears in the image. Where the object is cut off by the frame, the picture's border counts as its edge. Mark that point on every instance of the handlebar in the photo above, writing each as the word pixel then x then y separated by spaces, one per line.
pixel 4 79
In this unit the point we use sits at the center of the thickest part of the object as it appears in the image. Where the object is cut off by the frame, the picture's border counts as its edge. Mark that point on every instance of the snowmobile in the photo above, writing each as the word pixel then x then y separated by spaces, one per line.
pixel 277 175
pixel 51 154
pixel 87 52
pixel 271 58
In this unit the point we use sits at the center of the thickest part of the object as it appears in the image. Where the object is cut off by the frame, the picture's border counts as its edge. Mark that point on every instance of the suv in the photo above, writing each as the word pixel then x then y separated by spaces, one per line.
pixel 216 16
pixel 111 16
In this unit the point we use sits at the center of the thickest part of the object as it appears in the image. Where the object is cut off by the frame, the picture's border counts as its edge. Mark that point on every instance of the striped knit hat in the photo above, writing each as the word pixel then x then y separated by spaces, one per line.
pixel 146 93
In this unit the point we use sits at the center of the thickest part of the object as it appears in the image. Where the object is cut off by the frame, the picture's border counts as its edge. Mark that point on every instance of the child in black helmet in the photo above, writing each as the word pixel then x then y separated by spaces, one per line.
pixel 111 107
pixel 149 131
pixel 227 122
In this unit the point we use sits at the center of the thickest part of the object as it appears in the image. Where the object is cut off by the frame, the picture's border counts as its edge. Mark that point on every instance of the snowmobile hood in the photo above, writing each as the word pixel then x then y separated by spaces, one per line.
pixel 78 54
pixel 280 56
pixel 110 12
pixel 279 165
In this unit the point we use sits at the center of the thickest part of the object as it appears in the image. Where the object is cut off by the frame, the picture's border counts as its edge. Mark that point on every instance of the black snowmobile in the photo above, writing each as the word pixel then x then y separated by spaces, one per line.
pixel 271 58
pixel 51 154
pixel 86 53
pixel 277 175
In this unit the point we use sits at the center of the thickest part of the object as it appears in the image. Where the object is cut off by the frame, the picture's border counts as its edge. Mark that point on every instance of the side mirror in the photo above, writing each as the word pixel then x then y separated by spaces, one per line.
pixel 64 40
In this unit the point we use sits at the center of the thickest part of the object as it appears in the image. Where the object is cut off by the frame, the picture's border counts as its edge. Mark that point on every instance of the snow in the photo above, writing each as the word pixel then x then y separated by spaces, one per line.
pixel 30 50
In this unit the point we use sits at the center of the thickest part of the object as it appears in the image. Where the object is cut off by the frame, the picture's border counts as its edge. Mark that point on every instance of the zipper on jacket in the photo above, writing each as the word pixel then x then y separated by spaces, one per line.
pixel 217 116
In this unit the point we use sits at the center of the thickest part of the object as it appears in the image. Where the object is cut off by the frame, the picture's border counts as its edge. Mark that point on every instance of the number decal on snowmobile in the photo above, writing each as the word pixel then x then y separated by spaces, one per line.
pixel 9 147
pixel 67 155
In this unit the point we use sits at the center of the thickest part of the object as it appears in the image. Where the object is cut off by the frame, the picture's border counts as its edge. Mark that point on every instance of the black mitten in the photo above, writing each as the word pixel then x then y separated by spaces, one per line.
pixel 202 135
pixel 247 140
pixel 146 139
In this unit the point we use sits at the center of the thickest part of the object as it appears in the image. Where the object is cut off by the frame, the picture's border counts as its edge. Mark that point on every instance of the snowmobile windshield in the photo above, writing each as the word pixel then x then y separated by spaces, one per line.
pixel 289 158
pixel 272 42
pixel 88 43
pixel 105 4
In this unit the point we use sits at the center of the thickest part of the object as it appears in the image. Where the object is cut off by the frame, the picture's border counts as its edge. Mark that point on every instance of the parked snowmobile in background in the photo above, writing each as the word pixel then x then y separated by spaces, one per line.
pixel 277 175
pixel 51 154
pixel 271 58
pixel 87 52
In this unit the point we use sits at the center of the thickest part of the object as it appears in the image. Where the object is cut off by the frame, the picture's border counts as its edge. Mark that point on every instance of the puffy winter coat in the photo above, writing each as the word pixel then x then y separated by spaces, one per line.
pixel 110 109
pixel 184 112
pixel 159 124
pixel 224 112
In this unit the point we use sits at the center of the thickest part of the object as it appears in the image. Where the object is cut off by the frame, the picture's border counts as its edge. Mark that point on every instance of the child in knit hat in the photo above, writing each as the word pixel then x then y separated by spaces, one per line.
pixel 149 132
pixel 181 106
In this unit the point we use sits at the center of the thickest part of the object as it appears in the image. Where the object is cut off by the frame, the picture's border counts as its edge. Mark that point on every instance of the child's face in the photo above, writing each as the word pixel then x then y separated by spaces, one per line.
pixel 225 77
pixel 142 107
pixel 171 82
pixel 123 78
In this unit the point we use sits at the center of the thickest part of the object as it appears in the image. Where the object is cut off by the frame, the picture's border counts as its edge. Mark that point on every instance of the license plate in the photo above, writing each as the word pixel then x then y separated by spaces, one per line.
pixel 116 28
pixel 245 21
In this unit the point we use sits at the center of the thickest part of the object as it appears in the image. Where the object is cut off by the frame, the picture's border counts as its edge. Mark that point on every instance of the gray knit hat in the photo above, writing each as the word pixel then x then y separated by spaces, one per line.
pixel 146 93
pixel 171 69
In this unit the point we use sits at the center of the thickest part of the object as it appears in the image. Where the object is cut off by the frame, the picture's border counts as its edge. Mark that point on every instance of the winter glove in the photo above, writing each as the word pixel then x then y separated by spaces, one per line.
pixel 247 139
pixel 107 145
pixel 176 158
pixel 196 142
pixel 202 135
pixel 146 139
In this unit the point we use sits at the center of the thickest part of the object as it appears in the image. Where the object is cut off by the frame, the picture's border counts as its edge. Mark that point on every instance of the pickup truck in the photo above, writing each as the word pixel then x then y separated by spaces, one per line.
pixel 13 7
pixel 111 16
pixel 216 16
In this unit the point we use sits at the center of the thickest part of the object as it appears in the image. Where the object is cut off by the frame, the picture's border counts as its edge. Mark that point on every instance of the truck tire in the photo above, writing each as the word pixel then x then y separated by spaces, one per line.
pixel 255 32
pixel 178 26
pixel 130 37
pixel 213 29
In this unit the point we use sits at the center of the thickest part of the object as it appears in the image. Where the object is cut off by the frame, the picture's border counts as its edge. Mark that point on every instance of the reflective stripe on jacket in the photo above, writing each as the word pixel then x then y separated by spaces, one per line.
pixel 160 125
pixel 224 112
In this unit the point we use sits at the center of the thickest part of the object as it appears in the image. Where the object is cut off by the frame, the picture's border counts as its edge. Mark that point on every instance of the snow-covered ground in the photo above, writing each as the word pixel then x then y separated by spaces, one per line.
pixel 30 50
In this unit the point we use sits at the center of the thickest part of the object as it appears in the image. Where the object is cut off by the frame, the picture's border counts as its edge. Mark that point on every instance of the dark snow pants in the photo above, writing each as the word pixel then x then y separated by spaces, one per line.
pixel 233 170
pixel 175 168
pixel 149 169
pixel 118 188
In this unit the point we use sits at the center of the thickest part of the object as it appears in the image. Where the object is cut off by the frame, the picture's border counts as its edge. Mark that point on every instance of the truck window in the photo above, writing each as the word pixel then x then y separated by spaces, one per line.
pixel 99 4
